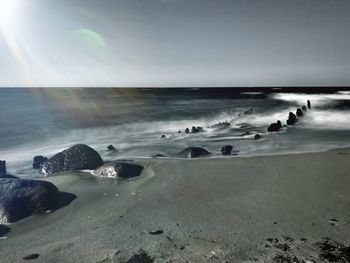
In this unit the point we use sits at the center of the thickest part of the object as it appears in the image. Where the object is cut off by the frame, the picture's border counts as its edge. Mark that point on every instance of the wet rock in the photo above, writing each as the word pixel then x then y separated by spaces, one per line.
pixel 304 108
pixel 291 119
pixel 257 137
pixel 118 169
pixel 196 129
pixel 23 198
pixel 140 257
pixel 187 130
pixel 31 257
pixel 227 149
pixel 4 230
pixel 77 157
pixel 308 104
pixel 2 167
pixel 158 155
pixel 111 148
pixel 179 131
pixel 247 133
pixel 163 136
pixel 156 232
pixel 38 161
pixel 274 127
pixel 193 152
pixel 299 112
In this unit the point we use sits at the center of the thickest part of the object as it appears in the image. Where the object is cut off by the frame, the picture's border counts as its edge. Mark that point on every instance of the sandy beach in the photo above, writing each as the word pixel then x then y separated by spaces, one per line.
pixel 203 210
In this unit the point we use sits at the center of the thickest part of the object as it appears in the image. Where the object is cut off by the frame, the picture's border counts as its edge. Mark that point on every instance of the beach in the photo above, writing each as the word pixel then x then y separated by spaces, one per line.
pixel 200 210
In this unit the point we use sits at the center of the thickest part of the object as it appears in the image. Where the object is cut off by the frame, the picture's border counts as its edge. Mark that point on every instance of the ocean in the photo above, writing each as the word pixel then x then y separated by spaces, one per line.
pixel 46 121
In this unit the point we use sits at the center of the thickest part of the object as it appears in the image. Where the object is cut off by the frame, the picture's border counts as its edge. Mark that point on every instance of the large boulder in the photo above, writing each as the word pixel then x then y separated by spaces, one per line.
pixel 193 152
pixel 119 170
pixel 38 161
pixel 77 157
pixel 22 198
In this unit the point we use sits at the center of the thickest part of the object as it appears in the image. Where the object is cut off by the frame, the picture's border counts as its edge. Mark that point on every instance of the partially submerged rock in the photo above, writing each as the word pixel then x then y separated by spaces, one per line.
pixel 292 118
pixel 193 152
pixel 257 137
pixel 227 149
pixel 77 157
pixel 274 127
pixel 141 257
pixel 221 125
pixel 111 148
pixel 118 169
pixel 308 104
pixel 299 112
pixel 23 198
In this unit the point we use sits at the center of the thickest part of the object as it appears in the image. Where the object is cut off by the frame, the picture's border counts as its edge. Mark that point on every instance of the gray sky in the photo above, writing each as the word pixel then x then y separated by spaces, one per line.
pixel 174 42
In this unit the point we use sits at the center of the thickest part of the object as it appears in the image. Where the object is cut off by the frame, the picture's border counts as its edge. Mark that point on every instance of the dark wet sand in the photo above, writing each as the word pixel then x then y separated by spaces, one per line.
pixel 210 210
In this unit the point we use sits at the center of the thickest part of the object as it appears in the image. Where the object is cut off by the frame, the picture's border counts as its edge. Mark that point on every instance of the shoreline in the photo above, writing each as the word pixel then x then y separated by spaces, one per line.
pixel 210 210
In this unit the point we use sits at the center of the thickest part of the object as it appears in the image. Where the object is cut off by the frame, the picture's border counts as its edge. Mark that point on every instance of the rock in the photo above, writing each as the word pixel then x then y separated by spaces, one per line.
pixel 4 230
pixel 304 108
pixel 221 125
pixel 187 130
pixel 77 157
pixel 193 152
pixel 31 257
pixel 22 198
pixel 2 167
pixel 279 123
pixel 118 169
pixel 227 149
pixel 38 161
pixel 158 155
pixel 111 148
pixel 274 127
pixel 291 119
pixel 156 232
pixel 163 136
pixel 247 133
pixel 179 131
pixel 257 137
pixel 140 257
pixel 196 129
pixel 308 104
pixel 299 112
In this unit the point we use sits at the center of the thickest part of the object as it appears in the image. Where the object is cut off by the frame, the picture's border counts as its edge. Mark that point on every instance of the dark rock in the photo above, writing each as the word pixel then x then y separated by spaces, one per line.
pixel 187 130
pixel 221 125
pixel 31 257
pixel 119 169
pixel 4 230
pixel 257 137
pixel 38 161
pixel 163 136
pixel 308 104
pixel 193 152
pixel 156 232
pixel 279 123
pixel 196 129
pixel 140 257
pixel 299 112
pixel 274 127
pixel 111 148
pixel 291 119
pixel 2 167
pixel 227 149
pixel 77 157
pixel 179 131
pixel 23 198
pixel 304 108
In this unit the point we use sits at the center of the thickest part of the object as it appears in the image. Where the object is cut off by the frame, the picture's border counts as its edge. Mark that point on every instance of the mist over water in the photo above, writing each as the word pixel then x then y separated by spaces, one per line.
pixel 45 121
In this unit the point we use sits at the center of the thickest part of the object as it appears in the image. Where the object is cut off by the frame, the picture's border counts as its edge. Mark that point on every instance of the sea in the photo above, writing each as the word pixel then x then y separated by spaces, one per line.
pixel 44 121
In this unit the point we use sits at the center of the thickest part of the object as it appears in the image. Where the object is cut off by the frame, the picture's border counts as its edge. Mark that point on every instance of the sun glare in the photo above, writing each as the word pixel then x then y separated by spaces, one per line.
pixel 7 12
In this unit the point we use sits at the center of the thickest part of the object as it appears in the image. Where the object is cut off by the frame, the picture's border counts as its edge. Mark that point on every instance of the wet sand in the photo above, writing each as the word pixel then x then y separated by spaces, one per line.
pixel 210 210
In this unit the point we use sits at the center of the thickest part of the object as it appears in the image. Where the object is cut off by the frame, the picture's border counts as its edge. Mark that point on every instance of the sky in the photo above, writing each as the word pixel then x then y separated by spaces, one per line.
pixel 174 43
